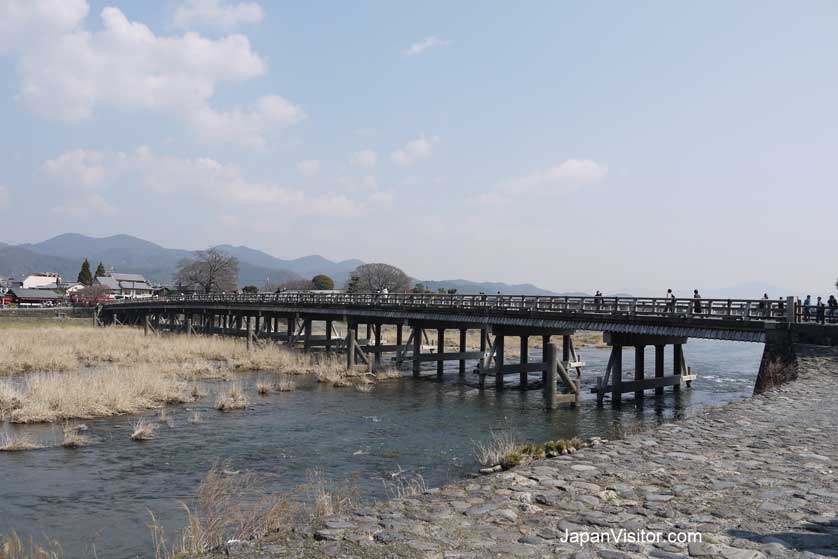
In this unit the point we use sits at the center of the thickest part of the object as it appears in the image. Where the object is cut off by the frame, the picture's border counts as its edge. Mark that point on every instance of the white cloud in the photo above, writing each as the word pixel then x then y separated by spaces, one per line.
pixel 83 204
pixel 23 20
pixel 214 13
pixel 425 44
pixel 567 175
pixel 80 166
pixel 309 167
pixel 414 150
pixel 4 197
pixel 68 71
pixel 364 159
pixel 224 185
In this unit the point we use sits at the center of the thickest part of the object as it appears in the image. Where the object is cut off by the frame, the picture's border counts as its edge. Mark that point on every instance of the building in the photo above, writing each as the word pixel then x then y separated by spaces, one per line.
pixel 32 297
pixel 42 280
pixel 125 286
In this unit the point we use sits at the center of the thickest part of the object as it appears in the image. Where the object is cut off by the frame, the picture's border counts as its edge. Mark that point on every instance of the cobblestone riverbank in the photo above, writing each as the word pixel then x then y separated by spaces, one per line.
pixel 753 479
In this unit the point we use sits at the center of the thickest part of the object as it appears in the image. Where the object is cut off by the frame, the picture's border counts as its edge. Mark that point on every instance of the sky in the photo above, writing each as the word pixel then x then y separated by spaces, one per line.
pixel 574 145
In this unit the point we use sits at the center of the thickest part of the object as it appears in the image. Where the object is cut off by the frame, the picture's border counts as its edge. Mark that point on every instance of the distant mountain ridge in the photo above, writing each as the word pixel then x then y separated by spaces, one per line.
pixel 128 254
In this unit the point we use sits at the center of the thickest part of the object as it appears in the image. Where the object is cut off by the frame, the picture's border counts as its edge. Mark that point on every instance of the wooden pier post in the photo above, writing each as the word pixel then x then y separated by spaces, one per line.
pixel 147 325
pixel 545 357
pixel 639 368
pixel 306 333
pixel 525 359
pixel 677 358
pixel 377 343
pixel 328 336
pixel 417 350
pixel 550 387
pixel 399 335
pixel 249 333
pixel 462 350
pixel 187 320
pixel 350 348
pixel 440 348
pixel 617 374
pixel 499 342
pixel 566 342
pixel 659 366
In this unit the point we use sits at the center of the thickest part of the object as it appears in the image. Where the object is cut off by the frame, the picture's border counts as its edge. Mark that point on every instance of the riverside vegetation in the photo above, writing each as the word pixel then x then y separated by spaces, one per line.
pixel 53 374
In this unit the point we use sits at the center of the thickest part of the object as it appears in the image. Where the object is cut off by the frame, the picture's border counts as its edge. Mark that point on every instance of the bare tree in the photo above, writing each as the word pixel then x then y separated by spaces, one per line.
pixel 371 278
pixel 210 271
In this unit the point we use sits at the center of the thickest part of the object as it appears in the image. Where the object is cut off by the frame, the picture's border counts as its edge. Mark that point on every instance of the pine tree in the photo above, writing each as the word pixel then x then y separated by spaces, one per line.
pixel 84 274
pixel 100 270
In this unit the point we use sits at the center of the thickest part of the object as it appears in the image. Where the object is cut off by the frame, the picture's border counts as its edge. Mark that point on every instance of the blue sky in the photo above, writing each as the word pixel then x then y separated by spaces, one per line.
pixel 574 145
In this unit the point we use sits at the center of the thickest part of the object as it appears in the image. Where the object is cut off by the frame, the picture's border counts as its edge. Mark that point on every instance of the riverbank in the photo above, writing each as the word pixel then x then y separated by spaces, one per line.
pixel 755 478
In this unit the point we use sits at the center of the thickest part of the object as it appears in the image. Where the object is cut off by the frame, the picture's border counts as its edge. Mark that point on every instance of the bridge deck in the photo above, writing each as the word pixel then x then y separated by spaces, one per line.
pixel 724 319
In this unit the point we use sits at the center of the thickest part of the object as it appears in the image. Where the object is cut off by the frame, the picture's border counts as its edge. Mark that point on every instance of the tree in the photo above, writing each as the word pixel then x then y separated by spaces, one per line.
pixel 85 278
pixel 100 270
pixel 323 282
pixel 250 289
pixel 210 271
pixel 377 277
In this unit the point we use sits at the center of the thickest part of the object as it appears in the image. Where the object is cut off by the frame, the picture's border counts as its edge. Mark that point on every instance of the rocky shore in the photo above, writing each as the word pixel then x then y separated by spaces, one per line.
pixel 753 479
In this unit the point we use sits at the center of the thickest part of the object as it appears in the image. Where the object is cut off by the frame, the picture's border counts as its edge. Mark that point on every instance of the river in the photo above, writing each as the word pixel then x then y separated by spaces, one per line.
pixel 98 497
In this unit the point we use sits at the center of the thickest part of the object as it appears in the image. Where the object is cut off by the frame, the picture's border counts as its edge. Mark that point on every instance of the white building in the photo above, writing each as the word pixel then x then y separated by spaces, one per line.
pixel 42 280
pixel 121 286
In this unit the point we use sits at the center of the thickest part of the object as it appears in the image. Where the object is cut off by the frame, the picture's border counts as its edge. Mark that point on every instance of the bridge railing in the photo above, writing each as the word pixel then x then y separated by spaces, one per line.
pixel 734 309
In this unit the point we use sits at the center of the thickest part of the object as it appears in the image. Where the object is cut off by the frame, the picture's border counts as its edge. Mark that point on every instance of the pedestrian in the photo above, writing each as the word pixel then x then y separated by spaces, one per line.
pixel 598 300
pixel 781 306
pixel 832 302
pixel 807 305
pixel 696 302
pixel 765 306
pixel 670 301
pixel 821 311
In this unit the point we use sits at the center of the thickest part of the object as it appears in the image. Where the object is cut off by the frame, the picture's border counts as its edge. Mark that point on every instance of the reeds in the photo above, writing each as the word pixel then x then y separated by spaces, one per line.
pixel 18 442
pixel 143 430
pixel 73 437
pixel 12 547
pixel 233 398
pixel 498 446
pixel 284 384
pixel 51 397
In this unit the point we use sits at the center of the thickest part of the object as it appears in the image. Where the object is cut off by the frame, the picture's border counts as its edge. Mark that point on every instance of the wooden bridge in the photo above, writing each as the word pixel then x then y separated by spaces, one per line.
pixel 625 322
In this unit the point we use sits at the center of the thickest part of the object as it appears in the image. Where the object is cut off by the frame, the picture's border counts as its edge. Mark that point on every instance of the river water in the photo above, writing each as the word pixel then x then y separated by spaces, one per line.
pixel 98 497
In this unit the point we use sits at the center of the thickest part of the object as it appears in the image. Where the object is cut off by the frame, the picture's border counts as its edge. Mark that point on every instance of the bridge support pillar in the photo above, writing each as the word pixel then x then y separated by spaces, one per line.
pixel 350 348
pixel 545 358
pixel 417 351
pixel 550 354
pixel 639 368
pixel 306 333
pixel 187 320
pixel 499 342
pixel 462 368
pixel 440 348
pixel 659 349
pixel 613 381
pixel 328 336
pixel 378 343
pixel 525 359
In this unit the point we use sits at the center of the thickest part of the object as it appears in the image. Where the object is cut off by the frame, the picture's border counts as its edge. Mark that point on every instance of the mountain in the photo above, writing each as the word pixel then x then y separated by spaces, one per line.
pixel 306 267
pixel 19 262
pixel 467 287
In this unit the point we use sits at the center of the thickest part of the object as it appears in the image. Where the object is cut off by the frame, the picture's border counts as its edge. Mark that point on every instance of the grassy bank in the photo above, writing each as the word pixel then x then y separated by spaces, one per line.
pixel 55 374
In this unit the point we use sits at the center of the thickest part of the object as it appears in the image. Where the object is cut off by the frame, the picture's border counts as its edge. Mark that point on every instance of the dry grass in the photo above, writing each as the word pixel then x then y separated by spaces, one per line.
pixel 284 384
pixel 364 386
pixel 326 498
pixel 144 430
pixel 227 507
pixel 50 397
pixel 16 443
pixel 74 437
pixel 404 486
pixel 52 349
pixel 196 417
pixel 499 445
pixel 263 388
pixel 12 547
pixel 233 398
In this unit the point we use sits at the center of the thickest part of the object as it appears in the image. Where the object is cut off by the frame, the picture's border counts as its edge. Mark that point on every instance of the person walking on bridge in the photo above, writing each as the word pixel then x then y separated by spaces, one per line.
pixel 696 302
pixel 832 303
pixel 820 309
pixel 807 305
pixel 598 300
pixel 765 306
pixel 670 301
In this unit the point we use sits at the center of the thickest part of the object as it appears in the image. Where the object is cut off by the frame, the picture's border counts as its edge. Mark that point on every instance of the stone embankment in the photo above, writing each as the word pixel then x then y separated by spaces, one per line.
pixel 756 479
